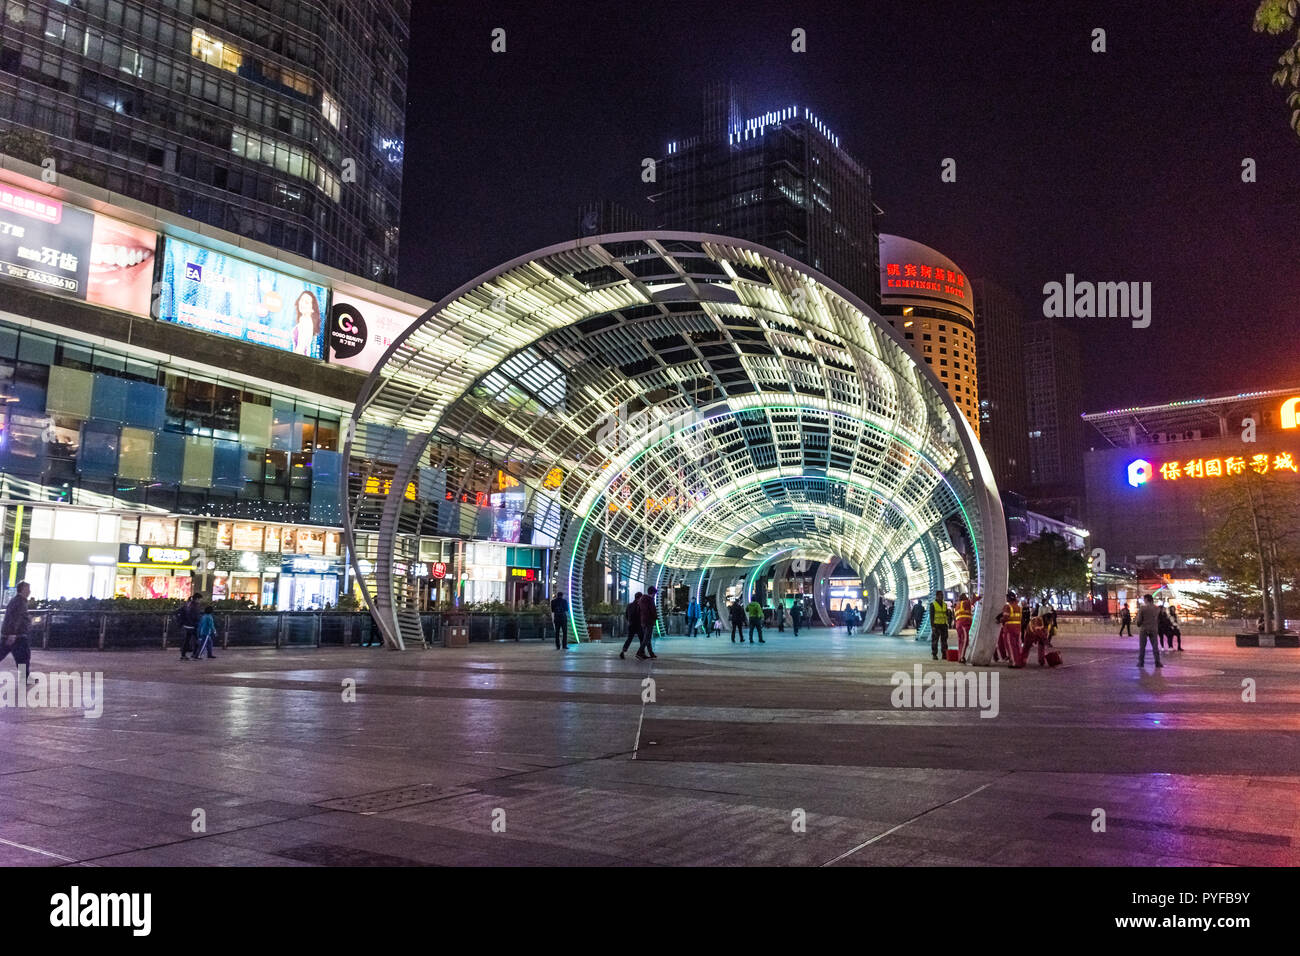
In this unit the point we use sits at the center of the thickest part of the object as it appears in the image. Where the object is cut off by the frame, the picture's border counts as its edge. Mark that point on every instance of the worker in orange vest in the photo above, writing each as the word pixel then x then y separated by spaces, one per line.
pixel 963 613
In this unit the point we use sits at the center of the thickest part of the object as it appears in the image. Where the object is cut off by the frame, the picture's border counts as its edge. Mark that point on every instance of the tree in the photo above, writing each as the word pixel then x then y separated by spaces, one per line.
pixel 1047 564
pixel 1274 17
pixel 1256 546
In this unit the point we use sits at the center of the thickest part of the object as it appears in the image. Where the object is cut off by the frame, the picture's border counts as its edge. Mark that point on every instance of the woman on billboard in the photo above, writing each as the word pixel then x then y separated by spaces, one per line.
pixel 306 331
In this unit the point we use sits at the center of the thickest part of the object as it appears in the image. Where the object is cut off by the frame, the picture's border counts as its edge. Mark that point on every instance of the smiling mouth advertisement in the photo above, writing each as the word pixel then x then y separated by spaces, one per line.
pixel 50 245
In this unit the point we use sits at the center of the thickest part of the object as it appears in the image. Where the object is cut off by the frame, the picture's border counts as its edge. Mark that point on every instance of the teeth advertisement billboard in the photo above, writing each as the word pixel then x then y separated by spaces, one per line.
pixel 217 293
pixel 361 330
pixel 47 244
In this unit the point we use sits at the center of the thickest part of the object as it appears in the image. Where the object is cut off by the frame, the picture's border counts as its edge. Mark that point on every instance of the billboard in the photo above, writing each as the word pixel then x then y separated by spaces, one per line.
pixel 361 330
pixel 209 290
pixel 47 244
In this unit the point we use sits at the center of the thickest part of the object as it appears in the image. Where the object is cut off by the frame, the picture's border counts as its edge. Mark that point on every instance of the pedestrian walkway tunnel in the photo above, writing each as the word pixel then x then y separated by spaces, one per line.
pixel 692 406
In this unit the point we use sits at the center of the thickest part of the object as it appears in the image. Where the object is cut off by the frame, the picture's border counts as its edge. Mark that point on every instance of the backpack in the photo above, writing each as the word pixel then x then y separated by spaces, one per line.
pixel 179 616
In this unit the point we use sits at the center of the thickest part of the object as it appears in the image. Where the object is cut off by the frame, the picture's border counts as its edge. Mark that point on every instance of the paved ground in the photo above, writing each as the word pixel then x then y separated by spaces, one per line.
pixel 738 746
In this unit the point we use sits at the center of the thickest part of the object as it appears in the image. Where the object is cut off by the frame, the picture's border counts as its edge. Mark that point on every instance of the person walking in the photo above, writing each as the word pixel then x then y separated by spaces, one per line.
pixel 963 614
pixel 13 635
pixel 207 633
pixel 780 615
pixel 938 626
pixel 1148 621
pixel 736 615
pixel 692 617
pixel 755 621
pixel 1126 621
pixel 632 614
pixel 796 615
pixel 560 615
pixel 187 615
pixel 649 618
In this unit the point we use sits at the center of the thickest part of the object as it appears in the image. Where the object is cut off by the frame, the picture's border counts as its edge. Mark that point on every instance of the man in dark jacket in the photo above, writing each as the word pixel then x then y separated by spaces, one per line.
pixel 649 616
pixel 13 635
pixel 188 616
pixel 632 614
pixel 560 613
pixel 736 615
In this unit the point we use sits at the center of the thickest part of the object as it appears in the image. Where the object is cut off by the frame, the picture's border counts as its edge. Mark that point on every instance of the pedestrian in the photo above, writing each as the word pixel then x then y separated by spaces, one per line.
pixel 1126 621
pixel 848 617
pixel 1009 642
pixel 964 612
pixel 736 615
pixel 1048 614
pixel 780 615
pixel 708 613
pixel 649 619
pixel 1037 634
pixel 560 615
pixel 13 634
pixel 1164 628
pixel 755 621
pixel 207 633
pixel 1174 626
pixel 796 615
pixel 187 616
pixel 1148 621
pixel 632 614
pixel 692 617
pixel 938 626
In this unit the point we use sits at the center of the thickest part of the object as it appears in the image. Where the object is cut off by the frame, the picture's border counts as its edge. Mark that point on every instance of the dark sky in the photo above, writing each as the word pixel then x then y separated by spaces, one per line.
pixel 1118 166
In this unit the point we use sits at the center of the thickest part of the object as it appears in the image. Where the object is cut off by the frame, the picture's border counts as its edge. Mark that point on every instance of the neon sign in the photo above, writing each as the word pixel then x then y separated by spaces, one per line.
pixel 1289 416
pixel 1142 471
pixel 917 275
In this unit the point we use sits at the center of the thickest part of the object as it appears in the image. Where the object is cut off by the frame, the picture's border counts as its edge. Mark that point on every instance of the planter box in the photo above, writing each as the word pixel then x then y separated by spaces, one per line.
pixel 1268 640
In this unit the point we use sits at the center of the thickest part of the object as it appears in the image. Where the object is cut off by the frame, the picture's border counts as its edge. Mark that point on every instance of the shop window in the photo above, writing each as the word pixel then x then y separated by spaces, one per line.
pixel 333 542
pixel 246 537
pixel 185 534
pixel 35 576
pixel 158 531
pixel 68 581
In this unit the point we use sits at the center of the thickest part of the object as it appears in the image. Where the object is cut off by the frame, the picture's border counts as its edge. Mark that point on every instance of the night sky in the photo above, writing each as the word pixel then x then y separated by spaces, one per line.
pixel 1116 166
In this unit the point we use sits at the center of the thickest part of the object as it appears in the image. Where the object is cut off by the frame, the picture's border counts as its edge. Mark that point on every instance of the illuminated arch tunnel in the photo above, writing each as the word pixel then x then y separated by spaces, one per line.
pixel 697 405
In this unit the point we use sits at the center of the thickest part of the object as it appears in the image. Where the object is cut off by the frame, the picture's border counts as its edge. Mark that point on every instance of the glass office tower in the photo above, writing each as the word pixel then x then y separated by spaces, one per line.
pixel 279 120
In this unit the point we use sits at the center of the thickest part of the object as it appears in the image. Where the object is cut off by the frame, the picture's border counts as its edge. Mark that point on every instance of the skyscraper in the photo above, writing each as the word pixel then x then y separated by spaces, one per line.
pixel 1054 403
pixel 282 121
pixel 779 178
pixel 999 344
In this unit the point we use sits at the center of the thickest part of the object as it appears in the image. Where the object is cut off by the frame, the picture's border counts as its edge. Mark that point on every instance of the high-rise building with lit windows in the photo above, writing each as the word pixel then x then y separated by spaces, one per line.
pixel 927 297
pixel 279 120
pixel 777 177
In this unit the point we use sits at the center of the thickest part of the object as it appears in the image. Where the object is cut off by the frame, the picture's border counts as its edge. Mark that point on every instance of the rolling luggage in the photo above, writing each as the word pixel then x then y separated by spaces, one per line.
pixel 952 654
pixel 1053 658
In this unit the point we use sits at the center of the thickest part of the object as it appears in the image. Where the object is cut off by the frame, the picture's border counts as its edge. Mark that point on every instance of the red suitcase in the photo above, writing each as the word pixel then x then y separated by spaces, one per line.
pixel 952 654
pixel 1053 658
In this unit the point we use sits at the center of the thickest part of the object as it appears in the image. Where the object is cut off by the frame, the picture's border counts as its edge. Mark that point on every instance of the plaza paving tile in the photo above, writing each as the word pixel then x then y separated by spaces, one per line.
pixel 739 741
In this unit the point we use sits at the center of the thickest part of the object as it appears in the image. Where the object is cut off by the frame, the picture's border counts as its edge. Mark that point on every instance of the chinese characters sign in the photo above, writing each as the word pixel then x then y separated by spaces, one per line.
pixel 69 251
pixel 1142 471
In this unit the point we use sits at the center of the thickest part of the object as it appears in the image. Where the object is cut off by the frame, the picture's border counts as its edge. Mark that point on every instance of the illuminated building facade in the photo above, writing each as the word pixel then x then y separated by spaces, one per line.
pixel 691 406
pixel 170 422
pixel 928 299
pixel 279 121
pixel 779 178
pixel 1152 472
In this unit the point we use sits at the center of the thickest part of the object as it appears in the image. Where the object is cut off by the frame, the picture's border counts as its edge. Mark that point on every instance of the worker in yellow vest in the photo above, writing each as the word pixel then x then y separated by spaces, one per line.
pixel 963 613
pixel 1009 636
pixel 938 626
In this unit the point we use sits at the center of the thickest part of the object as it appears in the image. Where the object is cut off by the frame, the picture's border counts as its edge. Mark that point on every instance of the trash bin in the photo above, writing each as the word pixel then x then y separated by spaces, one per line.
pixel 594 632
pixel 455 630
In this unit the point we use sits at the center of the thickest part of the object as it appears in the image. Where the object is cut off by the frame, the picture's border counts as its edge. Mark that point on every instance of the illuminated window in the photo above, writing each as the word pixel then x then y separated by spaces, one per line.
pixel 215 52
pixel 330 109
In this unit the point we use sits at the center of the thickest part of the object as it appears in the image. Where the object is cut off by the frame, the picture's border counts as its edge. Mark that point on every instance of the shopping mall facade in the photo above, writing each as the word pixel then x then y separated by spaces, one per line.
pixel 174 401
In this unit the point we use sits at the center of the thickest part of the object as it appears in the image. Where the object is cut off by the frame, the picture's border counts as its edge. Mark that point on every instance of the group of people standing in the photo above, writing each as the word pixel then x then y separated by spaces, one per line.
pixel 1022 628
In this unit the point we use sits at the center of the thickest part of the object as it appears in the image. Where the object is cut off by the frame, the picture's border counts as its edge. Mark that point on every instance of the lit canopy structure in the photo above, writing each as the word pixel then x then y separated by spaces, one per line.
pixel 696 405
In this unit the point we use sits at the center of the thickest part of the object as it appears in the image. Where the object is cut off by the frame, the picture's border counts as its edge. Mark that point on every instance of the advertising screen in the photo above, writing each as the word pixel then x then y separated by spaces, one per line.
pixel 50 245
pixel 217 293
pixel 360 331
